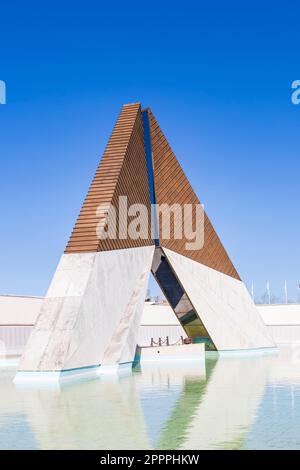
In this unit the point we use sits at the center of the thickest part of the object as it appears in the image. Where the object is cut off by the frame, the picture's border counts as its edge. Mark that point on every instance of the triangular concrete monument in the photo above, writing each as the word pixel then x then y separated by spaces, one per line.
pixel 92 311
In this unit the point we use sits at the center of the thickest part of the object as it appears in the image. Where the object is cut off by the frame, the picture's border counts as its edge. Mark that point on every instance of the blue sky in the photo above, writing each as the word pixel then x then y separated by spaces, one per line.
pixel 218 78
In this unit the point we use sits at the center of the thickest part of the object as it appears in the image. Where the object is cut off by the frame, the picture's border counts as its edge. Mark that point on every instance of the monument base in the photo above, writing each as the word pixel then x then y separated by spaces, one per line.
pixel 52 377
pixel 178 353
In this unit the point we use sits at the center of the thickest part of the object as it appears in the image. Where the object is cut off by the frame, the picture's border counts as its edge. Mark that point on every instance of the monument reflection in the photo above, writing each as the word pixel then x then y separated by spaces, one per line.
pixel 220 404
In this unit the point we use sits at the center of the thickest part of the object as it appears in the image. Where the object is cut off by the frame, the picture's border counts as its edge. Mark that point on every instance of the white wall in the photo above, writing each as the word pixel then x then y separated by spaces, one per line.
pixel 19 313
pixel 13 339
pixel 19 310
pixel 284 314
pixel 17 317
pixel 283 322
pixel 157 314
pixel 22 310
pixel 173 332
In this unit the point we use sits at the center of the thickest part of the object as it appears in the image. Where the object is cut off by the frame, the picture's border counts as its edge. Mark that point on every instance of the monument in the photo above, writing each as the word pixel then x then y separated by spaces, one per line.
pixel 91 313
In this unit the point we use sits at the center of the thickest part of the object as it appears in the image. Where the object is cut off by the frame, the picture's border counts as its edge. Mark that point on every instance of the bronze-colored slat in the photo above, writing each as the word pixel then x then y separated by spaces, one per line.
pixel 171 187
pixel 122 171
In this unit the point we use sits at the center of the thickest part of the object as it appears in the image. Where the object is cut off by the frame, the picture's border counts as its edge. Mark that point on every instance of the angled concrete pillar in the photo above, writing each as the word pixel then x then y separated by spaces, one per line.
pixel 91 313
pixel 223 303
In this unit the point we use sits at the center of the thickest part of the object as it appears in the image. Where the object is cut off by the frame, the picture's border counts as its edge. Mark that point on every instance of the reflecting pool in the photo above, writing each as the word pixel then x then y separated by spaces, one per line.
pixel 249 402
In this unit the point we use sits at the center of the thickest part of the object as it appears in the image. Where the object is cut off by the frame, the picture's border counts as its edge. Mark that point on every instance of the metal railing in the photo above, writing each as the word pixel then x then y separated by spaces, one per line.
pixel 166 342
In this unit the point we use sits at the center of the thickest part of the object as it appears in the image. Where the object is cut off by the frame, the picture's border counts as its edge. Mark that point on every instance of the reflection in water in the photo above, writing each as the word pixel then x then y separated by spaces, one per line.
pixel 236 403
pixel 229 405
pixel 177 386
pixel 174 431
pixel 278 421
pixel 97 414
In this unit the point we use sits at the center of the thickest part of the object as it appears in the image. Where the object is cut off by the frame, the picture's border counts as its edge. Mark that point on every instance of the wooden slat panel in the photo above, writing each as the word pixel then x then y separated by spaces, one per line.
pixel 122 171
pixel 172 187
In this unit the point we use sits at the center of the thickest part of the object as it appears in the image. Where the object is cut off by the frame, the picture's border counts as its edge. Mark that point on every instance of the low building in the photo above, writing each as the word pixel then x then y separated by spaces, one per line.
pixel 159 324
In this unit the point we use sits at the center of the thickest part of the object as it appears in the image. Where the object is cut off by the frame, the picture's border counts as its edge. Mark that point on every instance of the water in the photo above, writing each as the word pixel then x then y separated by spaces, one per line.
pixel 230 403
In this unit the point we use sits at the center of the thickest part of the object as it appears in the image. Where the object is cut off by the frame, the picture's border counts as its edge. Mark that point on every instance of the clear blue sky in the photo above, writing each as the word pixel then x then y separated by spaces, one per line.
pixel 217 76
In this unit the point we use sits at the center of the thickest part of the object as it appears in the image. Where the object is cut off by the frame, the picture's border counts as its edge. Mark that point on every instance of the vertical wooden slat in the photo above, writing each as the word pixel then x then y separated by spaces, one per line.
pixel 121 172
pixel 173 187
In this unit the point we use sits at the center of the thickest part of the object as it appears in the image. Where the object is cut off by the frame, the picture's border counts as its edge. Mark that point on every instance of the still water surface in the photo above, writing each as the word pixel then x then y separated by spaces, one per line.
pixel 230 403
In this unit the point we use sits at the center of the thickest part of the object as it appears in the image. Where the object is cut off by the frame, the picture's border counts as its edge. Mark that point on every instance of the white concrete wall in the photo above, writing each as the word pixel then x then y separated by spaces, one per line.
pixel 146 332
pixel 283 314
pixel 23 310
pixel 13 339
pixel 19 313
pixel 19 310
pixel 158 314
